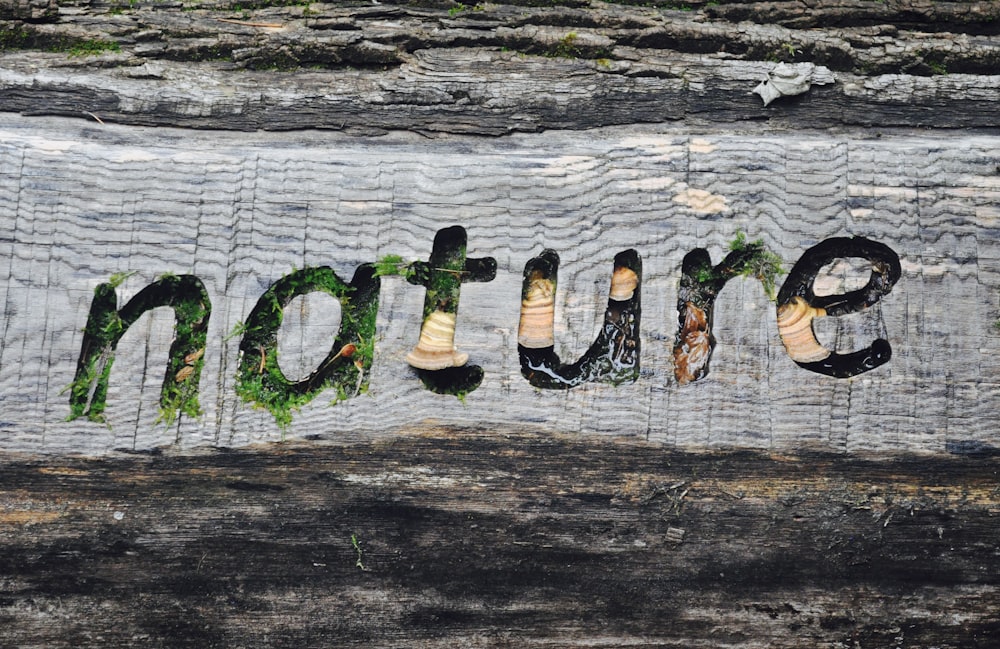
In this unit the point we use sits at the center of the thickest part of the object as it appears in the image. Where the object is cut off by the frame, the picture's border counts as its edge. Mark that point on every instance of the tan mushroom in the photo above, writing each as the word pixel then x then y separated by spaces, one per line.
pixel 436 348
pixel 624 281
pixel 795 325
pixel 538 310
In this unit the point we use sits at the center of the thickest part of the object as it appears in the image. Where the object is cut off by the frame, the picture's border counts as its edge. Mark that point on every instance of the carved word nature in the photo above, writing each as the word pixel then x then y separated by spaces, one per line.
pixel 612 358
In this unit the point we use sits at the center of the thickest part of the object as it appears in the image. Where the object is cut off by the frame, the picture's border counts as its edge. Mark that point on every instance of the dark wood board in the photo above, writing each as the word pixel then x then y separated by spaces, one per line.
pixel 482 538
pixel 493 68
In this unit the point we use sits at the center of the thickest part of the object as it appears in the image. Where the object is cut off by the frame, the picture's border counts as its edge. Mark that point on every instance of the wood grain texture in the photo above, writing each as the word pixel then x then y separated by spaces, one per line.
pixel 80 202
pixel 493 68
pixel 495 538
pixel 855 513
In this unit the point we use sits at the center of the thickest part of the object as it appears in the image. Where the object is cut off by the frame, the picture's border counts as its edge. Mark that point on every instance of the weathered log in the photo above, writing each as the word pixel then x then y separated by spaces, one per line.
pixel 83 203
pixel 496 68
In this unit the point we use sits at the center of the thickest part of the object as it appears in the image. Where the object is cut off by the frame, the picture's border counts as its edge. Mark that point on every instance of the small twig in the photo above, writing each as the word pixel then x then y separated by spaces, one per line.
pixel 361 377
pixel 99 120
pixel 250 24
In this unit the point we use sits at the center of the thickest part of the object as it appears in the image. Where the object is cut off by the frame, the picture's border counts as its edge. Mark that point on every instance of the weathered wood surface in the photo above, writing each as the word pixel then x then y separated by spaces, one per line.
pixel 80 202
pixel 861 512
pixel 495 68
pixel 497 539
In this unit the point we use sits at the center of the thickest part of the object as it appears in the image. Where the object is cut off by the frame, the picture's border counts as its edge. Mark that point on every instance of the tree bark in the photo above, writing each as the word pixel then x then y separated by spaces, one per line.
pixel 495 68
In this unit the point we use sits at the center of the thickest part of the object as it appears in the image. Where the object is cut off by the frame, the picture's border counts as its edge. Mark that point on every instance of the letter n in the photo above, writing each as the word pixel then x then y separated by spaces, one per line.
pixel 186 295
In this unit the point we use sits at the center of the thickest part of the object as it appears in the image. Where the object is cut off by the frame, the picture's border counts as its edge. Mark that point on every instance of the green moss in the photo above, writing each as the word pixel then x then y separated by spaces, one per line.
pixel 16 38
pixel 757 262
pixel 566 47
pixel 118 279
pixel 937 67
pixel 90 47
pixel 106 324
pixel 25 38
pixel 356 544
pixel 259 379
pixel 393 265
pixel 739 242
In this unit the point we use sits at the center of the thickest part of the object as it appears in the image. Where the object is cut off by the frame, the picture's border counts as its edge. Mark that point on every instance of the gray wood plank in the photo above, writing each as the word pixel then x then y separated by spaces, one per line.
pixel 87 201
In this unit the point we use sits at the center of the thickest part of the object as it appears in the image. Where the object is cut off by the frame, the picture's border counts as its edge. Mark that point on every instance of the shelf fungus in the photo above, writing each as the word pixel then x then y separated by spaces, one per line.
pixel 624 282
pixel 614 355
pixel 538 310
pixel 436 348
pixel 441 367
pixel 795 326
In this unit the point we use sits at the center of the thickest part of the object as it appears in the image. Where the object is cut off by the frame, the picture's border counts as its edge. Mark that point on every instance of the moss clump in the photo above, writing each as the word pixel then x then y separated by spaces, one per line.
pixel 91 47
pixel 393 265
pixel 16 38
pixel 25 38
pixel 756 261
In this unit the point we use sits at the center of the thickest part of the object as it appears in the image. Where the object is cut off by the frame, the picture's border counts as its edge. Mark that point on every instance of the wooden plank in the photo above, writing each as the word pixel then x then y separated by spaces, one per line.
pixel 492 538
pixel 84 202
